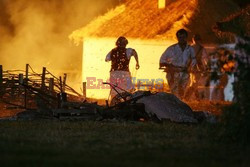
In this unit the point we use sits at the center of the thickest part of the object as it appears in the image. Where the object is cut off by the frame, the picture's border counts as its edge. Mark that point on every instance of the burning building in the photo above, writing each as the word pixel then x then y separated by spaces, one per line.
pixel 150 27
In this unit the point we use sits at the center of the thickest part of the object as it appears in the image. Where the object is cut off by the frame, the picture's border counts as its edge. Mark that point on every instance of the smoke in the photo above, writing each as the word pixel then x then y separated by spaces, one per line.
pixel 36 32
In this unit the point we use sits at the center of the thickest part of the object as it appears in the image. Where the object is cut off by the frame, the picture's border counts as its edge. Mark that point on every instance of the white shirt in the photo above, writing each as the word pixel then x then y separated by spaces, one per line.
pixel 175 56
pixel 129 51
pixel 201 56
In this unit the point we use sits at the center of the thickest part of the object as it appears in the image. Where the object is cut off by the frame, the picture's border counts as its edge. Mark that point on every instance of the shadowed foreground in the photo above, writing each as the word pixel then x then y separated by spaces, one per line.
pixel 50 143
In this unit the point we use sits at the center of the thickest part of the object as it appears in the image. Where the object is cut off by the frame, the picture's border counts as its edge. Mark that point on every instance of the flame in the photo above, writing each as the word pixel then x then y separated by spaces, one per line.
pixel 140 19
pixel 95 67
pixel 36 32
pixel 77 35
pixel 99 38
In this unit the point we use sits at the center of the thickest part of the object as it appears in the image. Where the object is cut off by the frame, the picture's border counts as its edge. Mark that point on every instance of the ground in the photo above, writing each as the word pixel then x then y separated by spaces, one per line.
pixel 112 143
pixel 54 143
pixel 213 107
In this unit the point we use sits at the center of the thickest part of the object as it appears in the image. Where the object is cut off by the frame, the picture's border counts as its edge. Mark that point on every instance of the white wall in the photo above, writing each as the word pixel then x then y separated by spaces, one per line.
pixel 94 65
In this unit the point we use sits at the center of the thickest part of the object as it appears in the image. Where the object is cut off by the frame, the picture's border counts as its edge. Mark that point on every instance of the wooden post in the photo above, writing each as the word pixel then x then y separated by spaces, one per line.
pixel 163 87
pixel 84 91
pixel 43 78
pixel 1 79
pixel 20 79
pixel 51 85
pixel 12 86
pixel 61 87
pixel 51 89
pixel 139 85
pixel 27 72
pixel 64 82
pixel 26 83
pixel 1 76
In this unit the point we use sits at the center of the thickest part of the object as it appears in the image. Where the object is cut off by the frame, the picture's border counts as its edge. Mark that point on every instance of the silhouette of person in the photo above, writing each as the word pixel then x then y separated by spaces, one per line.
pixel 120 58
pixel 177 59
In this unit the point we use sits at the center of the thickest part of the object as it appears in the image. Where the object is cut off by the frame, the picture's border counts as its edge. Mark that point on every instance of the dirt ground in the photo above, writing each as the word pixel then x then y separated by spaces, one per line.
pixel 213 107
pixel 5 111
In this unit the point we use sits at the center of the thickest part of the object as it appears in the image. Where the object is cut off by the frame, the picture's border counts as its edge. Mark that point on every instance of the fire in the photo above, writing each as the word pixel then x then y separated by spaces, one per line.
pixel 143 25
pixel 141 20
pixel 95 69
pixel 36 32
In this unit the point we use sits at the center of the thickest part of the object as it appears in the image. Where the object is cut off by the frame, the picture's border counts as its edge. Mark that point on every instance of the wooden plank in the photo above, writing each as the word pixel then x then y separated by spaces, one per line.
pixel 20 79
pixel 64 82
pixel 61 87
pixel 26 83
pixel 84 89
pixel 43 78
pixel 27 72
pixel 51 85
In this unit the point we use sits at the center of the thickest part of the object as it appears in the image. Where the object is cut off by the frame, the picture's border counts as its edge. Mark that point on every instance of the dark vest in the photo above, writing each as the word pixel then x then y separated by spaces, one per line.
pixel 119 60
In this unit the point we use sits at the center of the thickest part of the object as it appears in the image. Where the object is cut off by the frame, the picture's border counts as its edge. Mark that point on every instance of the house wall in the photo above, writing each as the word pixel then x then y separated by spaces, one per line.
pixel 94 65
pixel 149 51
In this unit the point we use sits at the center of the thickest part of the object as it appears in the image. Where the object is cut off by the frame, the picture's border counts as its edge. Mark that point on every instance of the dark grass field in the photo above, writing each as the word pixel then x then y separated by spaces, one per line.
pixel 68 143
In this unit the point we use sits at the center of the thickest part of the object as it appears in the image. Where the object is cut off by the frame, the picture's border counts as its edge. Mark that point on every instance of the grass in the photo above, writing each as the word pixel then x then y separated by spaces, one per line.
pixel 67 143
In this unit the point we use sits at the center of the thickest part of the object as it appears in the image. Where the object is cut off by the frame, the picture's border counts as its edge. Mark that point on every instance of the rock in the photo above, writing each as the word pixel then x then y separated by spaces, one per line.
pixel 167 106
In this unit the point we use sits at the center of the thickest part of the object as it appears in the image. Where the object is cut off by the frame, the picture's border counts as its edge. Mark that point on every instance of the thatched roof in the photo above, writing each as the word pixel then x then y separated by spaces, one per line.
pixel 142 19
pixel 236 24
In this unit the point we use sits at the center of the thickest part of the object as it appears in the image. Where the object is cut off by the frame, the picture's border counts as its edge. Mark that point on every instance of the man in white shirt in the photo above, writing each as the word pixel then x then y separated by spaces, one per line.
pixel 178 59
pixel 119 72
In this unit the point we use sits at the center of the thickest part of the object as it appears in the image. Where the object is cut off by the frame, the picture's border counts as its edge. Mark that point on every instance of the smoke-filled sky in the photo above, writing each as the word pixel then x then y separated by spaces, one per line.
pixel 36 31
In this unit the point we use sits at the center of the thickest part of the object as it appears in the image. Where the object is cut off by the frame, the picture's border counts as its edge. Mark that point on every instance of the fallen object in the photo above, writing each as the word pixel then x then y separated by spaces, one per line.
pixel 167 106
pixel 162 106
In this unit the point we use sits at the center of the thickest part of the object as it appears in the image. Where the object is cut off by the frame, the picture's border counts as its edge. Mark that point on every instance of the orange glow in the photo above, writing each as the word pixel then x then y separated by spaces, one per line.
pixel 139 19
pixel 94 65
pixel 229 66
pixel 192 79
pixel 99 38
pixel 36 32
pixel 161 4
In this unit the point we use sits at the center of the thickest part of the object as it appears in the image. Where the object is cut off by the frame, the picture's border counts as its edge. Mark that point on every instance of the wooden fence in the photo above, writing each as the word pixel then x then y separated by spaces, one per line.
pixel 20 88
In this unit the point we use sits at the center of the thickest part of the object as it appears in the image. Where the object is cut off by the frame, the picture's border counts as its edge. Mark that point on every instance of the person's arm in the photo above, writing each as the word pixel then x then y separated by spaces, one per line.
pixel 134 53
pixel 108 57
pixel 164 58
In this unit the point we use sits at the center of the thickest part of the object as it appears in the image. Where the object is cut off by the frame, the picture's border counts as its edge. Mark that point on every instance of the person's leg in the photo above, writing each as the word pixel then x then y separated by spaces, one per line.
pixel 203 92
pixel 222 84
pixel 170 79
pixel 183 82
pixel 196 86
pixel 192 89
pixel 113 81
pixel 121 79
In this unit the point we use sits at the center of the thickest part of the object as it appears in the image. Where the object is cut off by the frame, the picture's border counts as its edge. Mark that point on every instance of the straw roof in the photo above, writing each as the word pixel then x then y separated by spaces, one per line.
pixel 142 19
pixel 235 24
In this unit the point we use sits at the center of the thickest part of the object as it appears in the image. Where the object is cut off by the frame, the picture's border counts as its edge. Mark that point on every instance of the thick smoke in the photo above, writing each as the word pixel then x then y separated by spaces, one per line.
pixel 36 32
